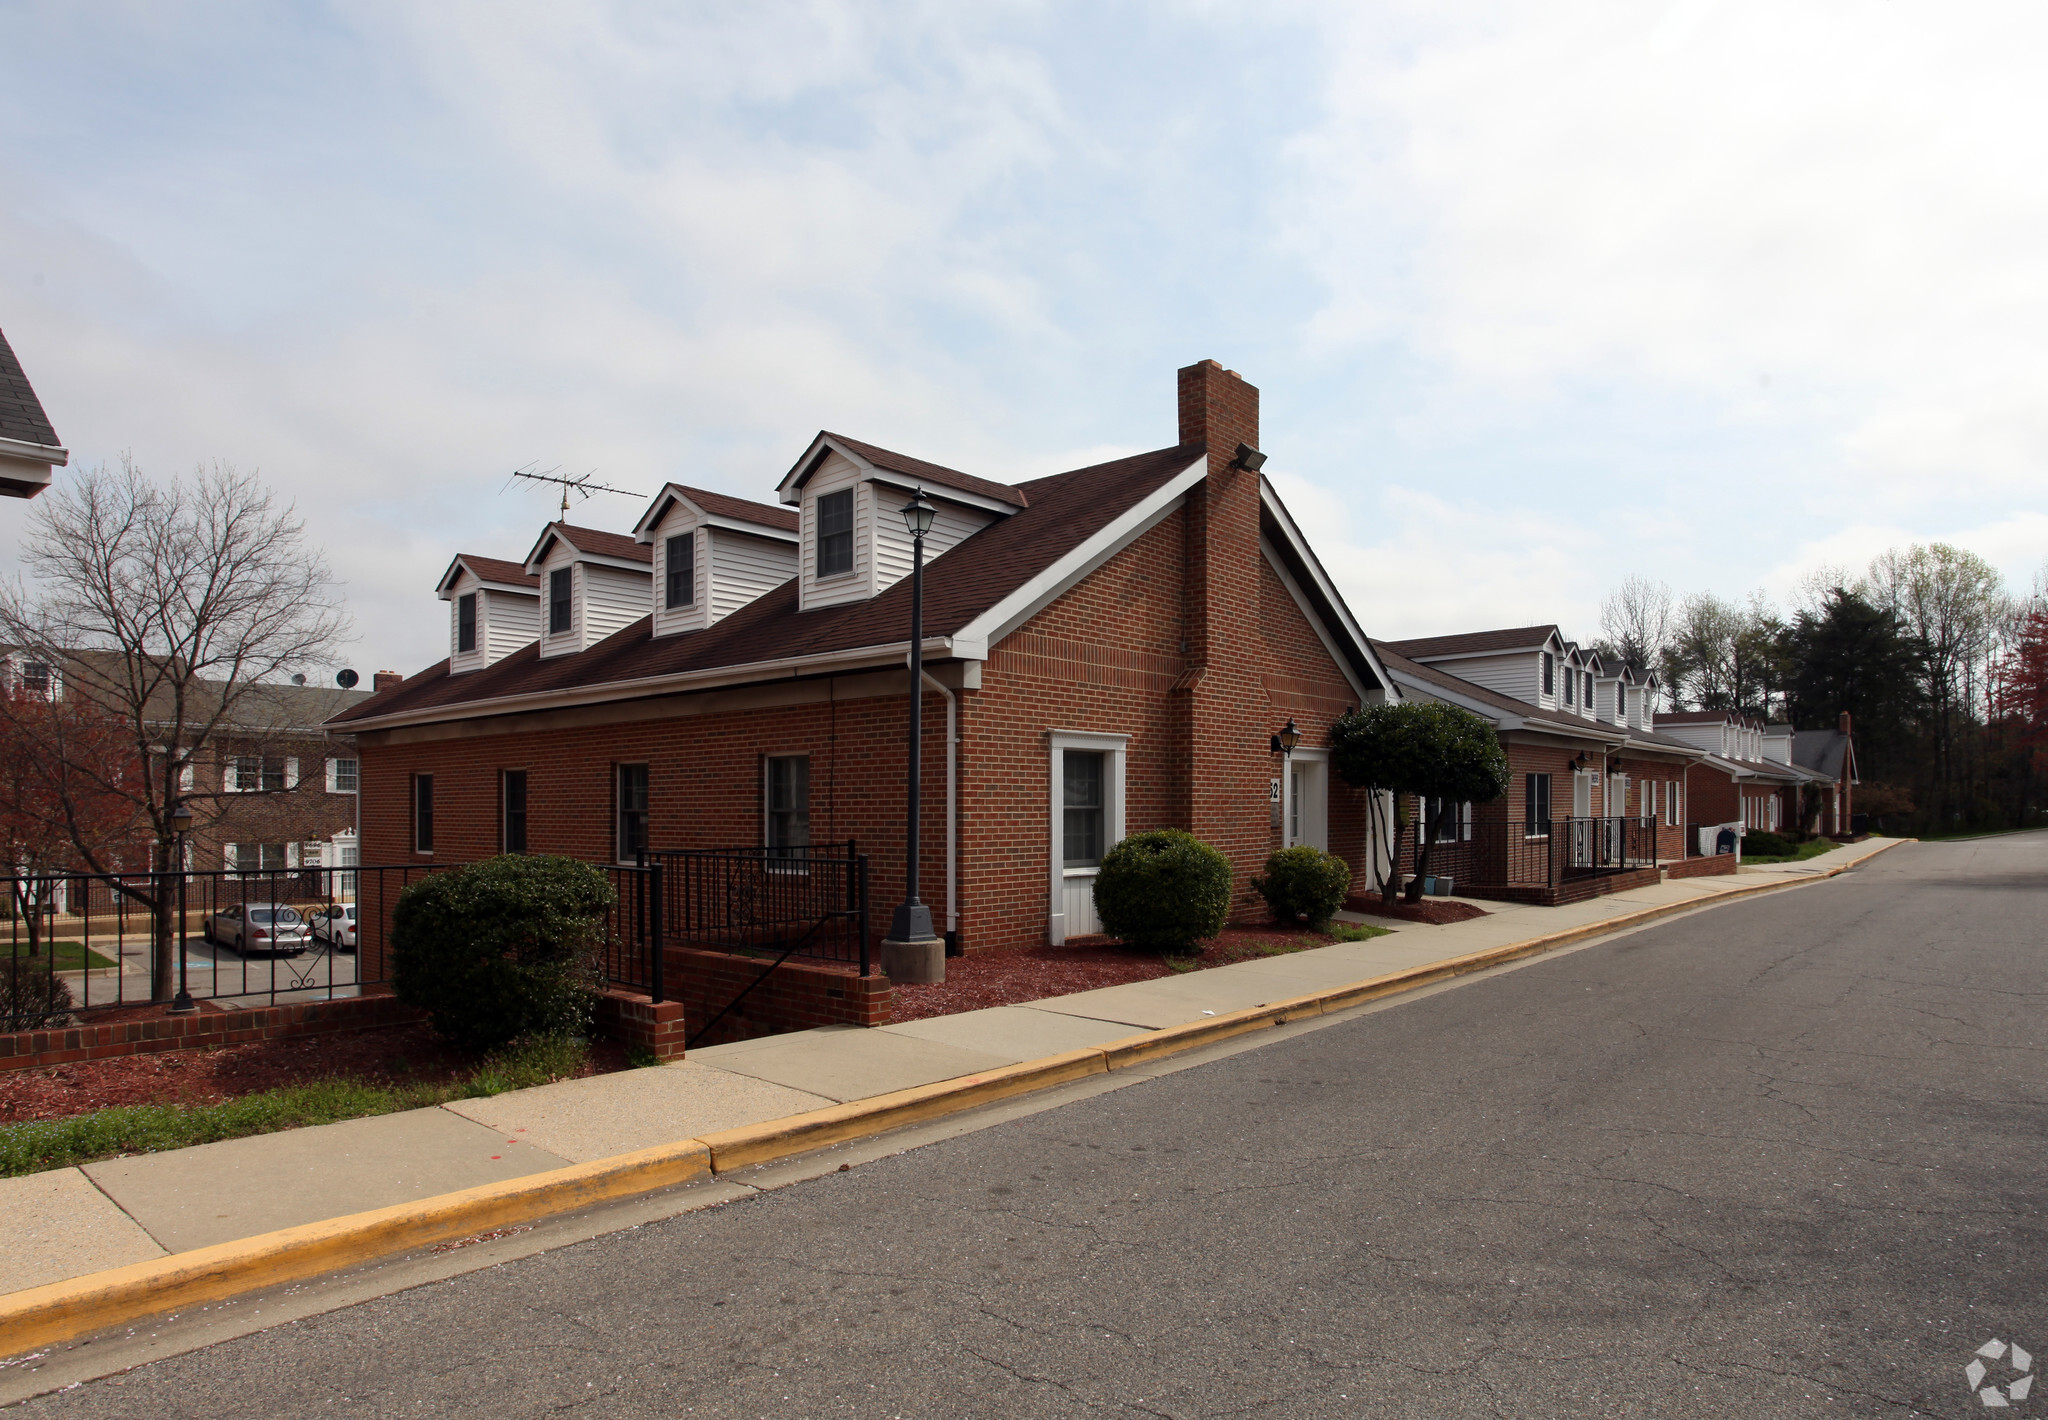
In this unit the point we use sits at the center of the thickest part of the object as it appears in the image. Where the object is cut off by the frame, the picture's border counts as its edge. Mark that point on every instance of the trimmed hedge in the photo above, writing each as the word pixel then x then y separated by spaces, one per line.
pixel 1163 891
pixel 1304 884
pixel 1759 844
pixel 502 949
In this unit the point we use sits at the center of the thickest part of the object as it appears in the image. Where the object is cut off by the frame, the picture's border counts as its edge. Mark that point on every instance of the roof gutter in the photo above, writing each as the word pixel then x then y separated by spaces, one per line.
pixel 886 656
pixel 40 453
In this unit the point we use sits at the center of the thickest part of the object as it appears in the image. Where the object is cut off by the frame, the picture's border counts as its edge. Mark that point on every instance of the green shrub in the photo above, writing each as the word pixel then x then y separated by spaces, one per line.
pixel 1304 884
pixel 1163 891
pixel 32 995
pixel 502 949
pixel 1759 844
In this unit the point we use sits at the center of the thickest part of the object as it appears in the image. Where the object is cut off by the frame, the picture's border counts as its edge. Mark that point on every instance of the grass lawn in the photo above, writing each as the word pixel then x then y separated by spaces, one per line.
pixel 1812 848
pixel 150 1128
pixel 69 956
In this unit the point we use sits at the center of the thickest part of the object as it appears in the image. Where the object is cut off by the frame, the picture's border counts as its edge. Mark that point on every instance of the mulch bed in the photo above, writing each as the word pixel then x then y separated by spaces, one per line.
pixel 400 1054
pixel 1435 911
pixel 1016 975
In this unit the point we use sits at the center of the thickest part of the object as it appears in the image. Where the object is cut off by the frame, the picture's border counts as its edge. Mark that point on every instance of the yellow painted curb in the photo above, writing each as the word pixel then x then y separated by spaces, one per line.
pixel 62 1311
pixel 1171 1040
pixel 800 1133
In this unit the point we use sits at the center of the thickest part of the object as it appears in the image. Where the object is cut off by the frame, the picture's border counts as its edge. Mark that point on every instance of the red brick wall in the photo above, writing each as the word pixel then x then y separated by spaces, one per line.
pixel 202 1030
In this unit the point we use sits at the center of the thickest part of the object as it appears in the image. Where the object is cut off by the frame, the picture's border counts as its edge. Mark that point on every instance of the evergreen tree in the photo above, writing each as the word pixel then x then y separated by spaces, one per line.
pixel 1852 656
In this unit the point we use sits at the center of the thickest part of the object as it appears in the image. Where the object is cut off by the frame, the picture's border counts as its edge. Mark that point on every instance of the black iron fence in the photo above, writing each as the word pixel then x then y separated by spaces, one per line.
pixel 1542 855
pixel 810 902
pixel 84 941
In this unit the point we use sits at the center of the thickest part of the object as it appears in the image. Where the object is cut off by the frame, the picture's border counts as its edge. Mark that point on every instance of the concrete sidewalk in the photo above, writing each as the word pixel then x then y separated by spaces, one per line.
pixel 68 1223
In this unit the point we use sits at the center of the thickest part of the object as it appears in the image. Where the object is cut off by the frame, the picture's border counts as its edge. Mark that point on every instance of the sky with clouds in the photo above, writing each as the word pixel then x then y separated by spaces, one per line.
pixel 1538 295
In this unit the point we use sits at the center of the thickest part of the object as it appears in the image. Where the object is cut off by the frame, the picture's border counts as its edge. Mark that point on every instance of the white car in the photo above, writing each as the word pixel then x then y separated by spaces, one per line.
pixel 259 927
pixel 336 926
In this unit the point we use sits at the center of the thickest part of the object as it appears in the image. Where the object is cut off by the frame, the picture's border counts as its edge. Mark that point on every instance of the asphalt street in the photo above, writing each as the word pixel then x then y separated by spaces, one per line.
pixel 1781 1158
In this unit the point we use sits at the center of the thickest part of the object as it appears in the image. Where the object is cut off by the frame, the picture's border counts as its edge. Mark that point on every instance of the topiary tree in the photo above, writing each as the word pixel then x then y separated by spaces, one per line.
pixel 1163 891
pixel 1304 884
pixel 502 949
pixel 1431 751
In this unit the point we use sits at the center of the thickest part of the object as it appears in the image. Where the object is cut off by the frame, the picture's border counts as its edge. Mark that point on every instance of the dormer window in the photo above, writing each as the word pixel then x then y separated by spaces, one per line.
pixel 1549 674
pixel 835 533
pixel 558 601
pixel 1571 685
pixel 465 622
pixel 680 561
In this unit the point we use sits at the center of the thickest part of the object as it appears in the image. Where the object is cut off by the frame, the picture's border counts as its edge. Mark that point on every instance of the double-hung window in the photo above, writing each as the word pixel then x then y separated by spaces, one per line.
pixel 632 801
pixel 422 813
pixel 680 564
pixel 465 622
pixel 835 533
pixel 513 793
pixel 254 773
pixel 1083 805
pixel 343 775
pixel 1549 674
pixel 558 601
pixel 1446 820
pixel 787 792
pixel 1571 685
pixel 1536 805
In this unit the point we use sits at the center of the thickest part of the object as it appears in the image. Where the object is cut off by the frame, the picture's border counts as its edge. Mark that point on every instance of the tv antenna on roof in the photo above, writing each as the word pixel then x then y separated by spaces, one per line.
pixel 582 484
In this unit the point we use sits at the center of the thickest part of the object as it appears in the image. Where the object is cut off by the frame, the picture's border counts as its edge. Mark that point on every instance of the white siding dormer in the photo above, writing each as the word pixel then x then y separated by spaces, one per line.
pixel 836 475
pixel 586 597
pixel 728 557
pixel 488 618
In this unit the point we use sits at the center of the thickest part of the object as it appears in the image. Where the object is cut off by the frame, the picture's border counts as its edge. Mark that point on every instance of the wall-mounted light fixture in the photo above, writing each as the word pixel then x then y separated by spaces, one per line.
pixel 1248 458
pixel 1284 742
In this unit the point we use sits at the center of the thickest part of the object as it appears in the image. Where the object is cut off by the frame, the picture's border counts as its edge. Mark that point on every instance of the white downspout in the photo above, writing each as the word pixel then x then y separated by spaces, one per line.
pixel 952 801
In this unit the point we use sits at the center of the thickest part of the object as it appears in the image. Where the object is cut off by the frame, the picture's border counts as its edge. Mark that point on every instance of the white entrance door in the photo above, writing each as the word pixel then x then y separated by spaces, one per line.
pixel 1307 808
pixel 1087 820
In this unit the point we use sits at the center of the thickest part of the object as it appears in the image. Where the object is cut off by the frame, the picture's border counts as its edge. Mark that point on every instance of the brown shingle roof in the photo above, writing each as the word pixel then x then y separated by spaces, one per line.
pixel 959 585
pixel 21 413
pixel 931 472
pixel 1472 643
pixel 740 509
pixel 497 569
pixel 603 544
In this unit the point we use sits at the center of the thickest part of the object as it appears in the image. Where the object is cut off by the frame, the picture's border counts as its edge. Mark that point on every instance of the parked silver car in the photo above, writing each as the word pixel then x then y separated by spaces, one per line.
pixel 259 927
pixel 336 926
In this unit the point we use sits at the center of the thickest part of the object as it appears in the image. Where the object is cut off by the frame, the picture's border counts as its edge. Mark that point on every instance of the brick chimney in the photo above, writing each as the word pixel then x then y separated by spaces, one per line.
pixel 1843 723
pixel 1223 799
pixel 384 680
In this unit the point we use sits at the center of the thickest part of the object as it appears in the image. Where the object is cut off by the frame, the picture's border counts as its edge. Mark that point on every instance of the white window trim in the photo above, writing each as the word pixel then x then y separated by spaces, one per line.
pixel 334 774
pixel 1058 742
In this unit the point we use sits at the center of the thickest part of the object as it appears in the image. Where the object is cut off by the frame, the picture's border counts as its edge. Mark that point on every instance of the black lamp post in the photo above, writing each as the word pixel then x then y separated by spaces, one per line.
pixel 913 952
pixel 181 825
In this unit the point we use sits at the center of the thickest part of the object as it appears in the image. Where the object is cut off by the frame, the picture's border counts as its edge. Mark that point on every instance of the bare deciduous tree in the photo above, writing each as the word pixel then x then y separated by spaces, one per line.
pixel 1636 623
pixel 170 607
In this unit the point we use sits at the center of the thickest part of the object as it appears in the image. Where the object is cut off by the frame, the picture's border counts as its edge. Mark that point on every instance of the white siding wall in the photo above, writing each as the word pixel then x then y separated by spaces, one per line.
pixel 952 524
pixel 1707 737
pixel 510 620
pixel 1519 675
pixel 562 643
pixel 668 621
pixel 613 599
pixel 461 661
pixel 834 474
pixel 744 567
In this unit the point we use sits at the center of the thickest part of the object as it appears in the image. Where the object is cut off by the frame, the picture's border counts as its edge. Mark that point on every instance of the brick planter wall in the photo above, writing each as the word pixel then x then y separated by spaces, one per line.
pixel 635 1020
pixel 796 995
pixel 27 1049
pixel 1712 867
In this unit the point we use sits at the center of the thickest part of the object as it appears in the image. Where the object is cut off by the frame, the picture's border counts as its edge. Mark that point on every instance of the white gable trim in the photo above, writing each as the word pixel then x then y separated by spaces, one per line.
pixel 1272 557
pixel 1270 501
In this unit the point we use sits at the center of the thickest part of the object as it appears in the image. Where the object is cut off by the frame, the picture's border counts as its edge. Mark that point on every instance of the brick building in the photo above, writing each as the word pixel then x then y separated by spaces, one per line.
pixel 1584 757
pixel 1107 650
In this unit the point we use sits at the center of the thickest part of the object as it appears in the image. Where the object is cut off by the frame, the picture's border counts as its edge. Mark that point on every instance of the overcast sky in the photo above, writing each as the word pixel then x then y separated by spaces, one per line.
pixel 1538 295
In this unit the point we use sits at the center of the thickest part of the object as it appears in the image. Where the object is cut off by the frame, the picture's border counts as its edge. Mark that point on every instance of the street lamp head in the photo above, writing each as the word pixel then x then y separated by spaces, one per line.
pixel 918 515
pixel 1288 738
pixel 181 817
